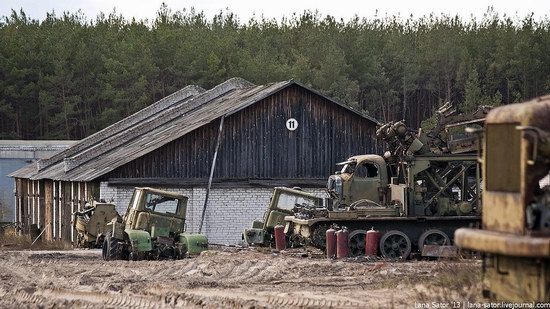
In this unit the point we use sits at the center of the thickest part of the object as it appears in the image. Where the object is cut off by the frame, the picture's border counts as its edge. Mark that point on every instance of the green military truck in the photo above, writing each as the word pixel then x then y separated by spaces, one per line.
pixel 153 227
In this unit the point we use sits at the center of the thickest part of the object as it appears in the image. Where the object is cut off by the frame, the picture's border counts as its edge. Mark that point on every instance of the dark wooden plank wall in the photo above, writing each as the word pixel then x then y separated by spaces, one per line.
pixel 52 194
pixel 257 145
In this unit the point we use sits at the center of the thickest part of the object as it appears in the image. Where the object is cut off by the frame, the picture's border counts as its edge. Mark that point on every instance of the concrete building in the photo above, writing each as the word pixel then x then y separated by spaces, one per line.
pixel 15 154
pixel 249 138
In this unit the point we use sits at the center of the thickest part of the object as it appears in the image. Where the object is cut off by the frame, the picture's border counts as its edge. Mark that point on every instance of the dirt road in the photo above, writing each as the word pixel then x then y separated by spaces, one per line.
pixel 229 279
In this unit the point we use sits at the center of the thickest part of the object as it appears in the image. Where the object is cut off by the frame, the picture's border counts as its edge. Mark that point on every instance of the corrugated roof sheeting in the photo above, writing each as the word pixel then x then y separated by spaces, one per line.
pixel 25 172
pixel 105 151
pixel 165 133
pixel 86 162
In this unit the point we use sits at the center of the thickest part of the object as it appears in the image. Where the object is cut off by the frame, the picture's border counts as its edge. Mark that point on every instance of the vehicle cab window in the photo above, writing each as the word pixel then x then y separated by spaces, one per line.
pixel 161 204
pixel 366 170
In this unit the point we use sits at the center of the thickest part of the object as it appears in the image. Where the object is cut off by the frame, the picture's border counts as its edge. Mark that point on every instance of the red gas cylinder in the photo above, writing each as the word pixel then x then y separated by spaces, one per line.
pixel 331 243
pixel 371 242
pixel 342 247
pixel 280 241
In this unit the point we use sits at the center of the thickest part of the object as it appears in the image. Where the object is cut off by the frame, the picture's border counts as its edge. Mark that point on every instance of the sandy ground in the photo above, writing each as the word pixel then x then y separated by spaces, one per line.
pixel 231 278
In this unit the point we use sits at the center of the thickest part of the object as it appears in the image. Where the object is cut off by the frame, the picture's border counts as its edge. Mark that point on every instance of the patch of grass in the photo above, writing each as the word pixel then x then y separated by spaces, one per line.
pixel 10 240
pixel 52 245
pixel 453 280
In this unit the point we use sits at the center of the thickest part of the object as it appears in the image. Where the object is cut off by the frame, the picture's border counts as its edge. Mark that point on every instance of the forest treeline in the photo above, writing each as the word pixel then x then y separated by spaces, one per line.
pixel 67 76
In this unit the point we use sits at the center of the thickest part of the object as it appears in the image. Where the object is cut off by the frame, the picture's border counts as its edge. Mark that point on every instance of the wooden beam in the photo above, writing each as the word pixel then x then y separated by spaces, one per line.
pixel 72 209
pixel 38 203
pixel 211 173
pixel 48 209
pixel 217 183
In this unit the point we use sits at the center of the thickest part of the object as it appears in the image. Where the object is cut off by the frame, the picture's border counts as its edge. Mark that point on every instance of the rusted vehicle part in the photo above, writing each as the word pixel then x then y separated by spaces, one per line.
pixel 515 234
pixel 153 227
pixel 415 188
pixel 284 202
pixel 356 242
pixel 90 224
pixel 449 117
pixel 433 237
pixel 395 244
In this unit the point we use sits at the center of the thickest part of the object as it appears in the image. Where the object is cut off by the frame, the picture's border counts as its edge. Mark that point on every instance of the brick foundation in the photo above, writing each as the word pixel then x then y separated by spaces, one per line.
pixel 230 210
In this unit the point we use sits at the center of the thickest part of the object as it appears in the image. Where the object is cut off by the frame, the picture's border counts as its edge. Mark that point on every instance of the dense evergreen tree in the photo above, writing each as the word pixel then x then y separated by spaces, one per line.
pixel 68 76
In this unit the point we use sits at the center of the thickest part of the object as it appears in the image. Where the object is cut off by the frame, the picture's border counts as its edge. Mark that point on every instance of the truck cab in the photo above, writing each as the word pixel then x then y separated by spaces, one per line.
pixel 282 203
pixel 362 179
pixel 160 213
pixel 153 227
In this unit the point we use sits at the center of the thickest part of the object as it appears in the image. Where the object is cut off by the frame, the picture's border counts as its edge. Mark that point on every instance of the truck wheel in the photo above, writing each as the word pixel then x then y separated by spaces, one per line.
pixel 395 244
pixel 318 236
pixel 79 242
pixel 114 253
pixel 356 242
pixel 433 237
pixel 110 248
pixel 106 247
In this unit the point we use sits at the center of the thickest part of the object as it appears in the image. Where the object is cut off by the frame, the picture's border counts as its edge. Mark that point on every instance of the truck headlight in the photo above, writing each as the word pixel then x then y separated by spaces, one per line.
pixel 338 187
pixel 330 183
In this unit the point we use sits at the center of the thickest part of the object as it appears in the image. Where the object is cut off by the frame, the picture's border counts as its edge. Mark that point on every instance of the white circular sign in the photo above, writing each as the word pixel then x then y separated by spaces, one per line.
pixel 292 124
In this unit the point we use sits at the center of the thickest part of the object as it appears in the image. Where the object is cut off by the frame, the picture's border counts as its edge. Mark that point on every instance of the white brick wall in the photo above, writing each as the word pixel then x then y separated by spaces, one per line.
pixel 229 211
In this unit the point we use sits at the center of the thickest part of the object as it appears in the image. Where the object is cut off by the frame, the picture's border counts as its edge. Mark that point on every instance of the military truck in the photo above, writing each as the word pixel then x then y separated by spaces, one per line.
pixel 283 203
pixel 92 222
pixel 424 187
pixel 153 227
pixel 515 234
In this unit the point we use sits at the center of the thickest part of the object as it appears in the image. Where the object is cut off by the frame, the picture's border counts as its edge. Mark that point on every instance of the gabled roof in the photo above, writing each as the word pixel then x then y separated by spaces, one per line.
pixel 154 127
pixel 112 131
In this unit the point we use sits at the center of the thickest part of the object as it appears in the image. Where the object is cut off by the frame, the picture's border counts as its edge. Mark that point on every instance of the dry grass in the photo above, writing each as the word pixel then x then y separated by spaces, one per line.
pixel 443 282
pixel 454 280
pixel 10 240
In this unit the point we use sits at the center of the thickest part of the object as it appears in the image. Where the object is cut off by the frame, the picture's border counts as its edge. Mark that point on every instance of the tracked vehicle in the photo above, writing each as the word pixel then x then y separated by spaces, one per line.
pixel 424 187
pixel 283 203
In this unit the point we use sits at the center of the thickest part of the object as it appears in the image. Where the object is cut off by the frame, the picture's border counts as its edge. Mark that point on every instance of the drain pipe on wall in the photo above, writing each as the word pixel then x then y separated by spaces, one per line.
pixel 211 173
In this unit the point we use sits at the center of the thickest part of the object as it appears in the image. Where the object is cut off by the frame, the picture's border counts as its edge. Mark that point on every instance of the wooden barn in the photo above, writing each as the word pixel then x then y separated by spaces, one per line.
pixel 251 137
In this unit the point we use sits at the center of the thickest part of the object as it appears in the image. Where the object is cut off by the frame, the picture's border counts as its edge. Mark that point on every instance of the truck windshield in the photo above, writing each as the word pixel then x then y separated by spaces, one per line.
pixel 288 201
pixel 161 204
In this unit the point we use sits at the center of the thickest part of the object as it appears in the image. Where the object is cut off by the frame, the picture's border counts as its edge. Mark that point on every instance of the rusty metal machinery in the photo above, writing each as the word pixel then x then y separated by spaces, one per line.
pixel 424 187
pixel 448 117
pixel 515 234
pixel 91 223
pixel 153 227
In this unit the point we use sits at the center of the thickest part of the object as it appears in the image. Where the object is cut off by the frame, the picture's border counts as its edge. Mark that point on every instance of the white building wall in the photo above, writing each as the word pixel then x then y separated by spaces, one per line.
pixel 230 210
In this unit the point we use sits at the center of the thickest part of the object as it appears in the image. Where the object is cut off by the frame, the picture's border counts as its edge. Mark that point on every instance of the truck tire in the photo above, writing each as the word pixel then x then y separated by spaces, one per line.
pixel 114 252
pixel 105 248
pixel 110 248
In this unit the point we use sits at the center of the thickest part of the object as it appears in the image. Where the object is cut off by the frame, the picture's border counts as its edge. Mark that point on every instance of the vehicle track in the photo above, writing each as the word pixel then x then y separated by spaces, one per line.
pixel 241 279
pixel 86 299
